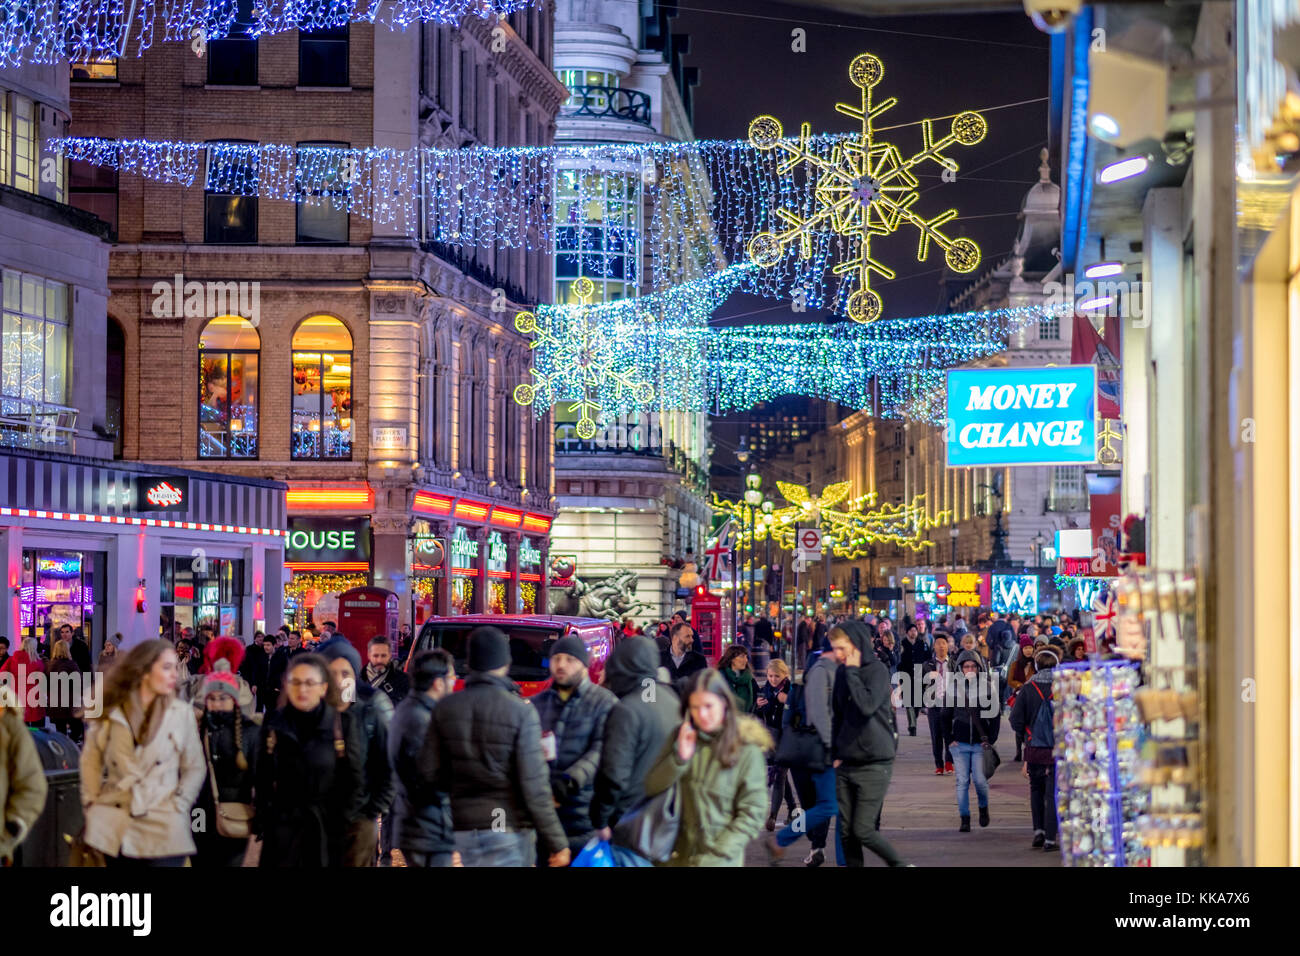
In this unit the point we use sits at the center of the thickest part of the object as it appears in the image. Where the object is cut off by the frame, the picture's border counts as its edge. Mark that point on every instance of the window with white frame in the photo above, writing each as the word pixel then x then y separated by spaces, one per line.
pixel 33 343
pixel 597 229
pixel 18 147
pixel 1069 489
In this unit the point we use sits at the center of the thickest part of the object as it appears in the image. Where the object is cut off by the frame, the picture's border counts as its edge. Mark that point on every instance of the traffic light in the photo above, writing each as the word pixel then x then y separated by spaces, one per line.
pixel 775 583
pixel 855 584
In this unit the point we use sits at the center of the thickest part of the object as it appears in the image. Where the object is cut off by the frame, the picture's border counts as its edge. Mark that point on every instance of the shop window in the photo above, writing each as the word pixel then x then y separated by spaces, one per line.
pixel 232 61
pixel 322 425
pixel 58 588
pixel 323 57
pixel 94 189
pixel 326 220
pixel 228 388
pixel 33 344
pixel 229 217
pixel 211 594
pixel 1049 329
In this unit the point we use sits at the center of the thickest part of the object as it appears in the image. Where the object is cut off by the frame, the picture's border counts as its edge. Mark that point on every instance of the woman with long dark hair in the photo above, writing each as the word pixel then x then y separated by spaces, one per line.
pixel 734 666
pixel 142 765
pixel 717 761
pixel 309 771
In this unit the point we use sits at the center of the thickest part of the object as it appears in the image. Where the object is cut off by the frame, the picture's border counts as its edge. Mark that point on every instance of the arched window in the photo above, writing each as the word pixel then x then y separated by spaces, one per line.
pixel 228 360
pixel 322 389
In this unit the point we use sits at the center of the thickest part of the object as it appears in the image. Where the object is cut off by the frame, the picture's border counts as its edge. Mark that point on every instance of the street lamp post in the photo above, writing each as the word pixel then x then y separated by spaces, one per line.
pixel 953 532
pixel 767 545
pixel 1039 541
pixel 753 498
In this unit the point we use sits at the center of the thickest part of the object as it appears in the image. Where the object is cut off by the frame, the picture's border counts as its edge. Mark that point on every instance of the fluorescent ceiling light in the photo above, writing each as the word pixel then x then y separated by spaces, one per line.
pixel 1097 302
pixel 1101 270
pixel 1124 169
pixel 1104 127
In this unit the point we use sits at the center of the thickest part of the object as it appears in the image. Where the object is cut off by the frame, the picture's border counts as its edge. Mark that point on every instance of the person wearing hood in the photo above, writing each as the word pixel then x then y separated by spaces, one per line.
pixel 23 786
pixel 484 750
pixel 230 750
pixel 573 712
pixel 968 732
pixel 863 743
pixel 26 675
pixel 371 712
pixel 1076 649
pixel 1018 672
pixel 638 729
pixel 717 761
pixel 734 666
pixel 1040 766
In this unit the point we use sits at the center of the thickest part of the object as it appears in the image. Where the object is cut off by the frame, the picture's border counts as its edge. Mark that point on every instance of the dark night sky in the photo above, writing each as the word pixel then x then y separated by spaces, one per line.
pixel 935 65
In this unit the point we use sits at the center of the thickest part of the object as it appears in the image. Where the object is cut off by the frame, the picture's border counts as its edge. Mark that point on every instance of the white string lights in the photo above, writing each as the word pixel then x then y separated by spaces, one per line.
pixel 58 31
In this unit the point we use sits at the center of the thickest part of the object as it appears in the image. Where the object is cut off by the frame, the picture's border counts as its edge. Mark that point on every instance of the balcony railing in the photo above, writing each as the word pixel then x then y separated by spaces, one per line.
pixel 1062 505
pixel 612 101
pixel 456 256
pixel 38 425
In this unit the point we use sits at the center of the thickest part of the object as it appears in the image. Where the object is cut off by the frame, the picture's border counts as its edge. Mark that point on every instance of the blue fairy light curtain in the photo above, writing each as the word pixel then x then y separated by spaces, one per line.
pixel 60 31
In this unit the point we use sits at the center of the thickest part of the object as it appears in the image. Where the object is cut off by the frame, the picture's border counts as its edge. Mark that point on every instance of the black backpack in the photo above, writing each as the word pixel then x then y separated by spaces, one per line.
pixel 1040 731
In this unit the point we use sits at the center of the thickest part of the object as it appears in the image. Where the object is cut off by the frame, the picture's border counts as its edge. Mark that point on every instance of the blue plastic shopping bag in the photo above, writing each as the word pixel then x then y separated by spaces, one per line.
pixel 595 853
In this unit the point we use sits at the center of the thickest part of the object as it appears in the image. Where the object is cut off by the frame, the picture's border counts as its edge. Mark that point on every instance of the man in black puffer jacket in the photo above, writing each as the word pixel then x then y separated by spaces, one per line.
pixel 421 818
pixel 484 750
pixel 573 712
pixel 647 716
pixel 863 742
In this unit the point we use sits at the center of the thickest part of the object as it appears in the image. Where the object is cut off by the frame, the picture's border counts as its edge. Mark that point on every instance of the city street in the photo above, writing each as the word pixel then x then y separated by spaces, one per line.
pixel 920 816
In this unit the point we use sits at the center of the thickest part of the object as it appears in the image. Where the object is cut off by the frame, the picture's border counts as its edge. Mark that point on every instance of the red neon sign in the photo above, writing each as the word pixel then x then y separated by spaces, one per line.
pixel 427 502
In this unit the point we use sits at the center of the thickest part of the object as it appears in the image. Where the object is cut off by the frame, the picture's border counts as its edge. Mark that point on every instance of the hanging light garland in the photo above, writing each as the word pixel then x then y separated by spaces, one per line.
pixel 850 525
pixel 61 31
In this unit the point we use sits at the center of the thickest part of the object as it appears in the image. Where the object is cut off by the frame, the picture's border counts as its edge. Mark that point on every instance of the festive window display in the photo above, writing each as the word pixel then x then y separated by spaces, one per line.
pixel 496 597
pixel 228 388
pixel 308 589
pixel 462 595
pixel 322 389
pixel 527 598
pixel 33 344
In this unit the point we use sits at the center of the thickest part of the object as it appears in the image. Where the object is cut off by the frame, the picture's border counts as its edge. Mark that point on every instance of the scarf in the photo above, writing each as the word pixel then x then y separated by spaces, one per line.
pixel 376 677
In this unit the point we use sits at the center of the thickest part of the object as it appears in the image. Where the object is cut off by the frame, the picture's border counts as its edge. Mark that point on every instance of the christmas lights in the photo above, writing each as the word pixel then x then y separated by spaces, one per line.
pixel 862 189
pixel 849 527
pixel 57 31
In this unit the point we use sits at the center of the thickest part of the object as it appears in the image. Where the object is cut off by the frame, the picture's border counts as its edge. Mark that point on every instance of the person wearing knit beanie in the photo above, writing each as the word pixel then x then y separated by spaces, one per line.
pixel 572 645
pixel 489 649
pixel 337 647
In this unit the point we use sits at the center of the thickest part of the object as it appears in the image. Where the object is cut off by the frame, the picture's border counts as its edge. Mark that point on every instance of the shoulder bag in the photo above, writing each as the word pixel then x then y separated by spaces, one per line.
pixel 234 820
pixel 800 746
pixel 650 828
pixel 991 759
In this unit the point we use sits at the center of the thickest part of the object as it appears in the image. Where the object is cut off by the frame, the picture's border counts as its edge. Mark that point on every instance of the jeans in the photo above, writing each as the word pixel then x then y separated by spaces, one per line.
pixel 861 792
pixel 970 760
pixel 1042 798
pixel 817 794
pixel 911 718
pixel 491 848
pixel 423 860
pixel 942 754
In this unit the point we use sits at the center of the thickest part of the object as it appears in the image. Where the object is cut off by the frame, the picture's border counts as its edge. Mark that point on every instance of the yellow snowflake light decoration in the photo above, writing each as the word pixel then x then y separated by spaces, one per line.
pixel 865 189
pixel 583 359
pixel 849 528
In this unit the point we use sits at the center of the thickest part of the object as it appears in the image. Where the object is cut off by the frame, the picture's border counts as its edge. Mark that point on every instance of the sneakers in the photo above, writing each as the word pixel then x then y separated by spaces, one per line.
pixel 771 824
pixel 947 768
pixel 815 858
pixel 940 771
pixel 965 825
pixel 1051 845
pixel 1039 837
pixel 984 816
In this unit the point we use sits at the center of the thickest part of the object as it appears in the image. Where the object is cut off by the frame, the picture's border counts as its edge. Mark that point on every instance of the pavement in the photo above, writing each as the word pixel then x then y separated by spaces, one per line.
pixel 920 815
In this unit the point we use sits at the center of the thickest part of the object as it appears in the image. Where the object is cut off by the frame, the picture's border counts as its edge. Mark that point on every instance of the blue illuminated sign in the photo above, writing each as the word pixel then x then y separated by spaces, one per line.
pixel 1015 593
pixel 1022 416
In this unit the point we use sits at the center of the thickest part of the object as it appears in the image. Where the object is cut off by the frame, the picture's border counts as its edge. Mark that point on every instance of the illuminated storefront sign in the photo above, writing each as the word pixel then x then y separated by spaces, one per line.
pixel 427 557
pixel 162 494
pixel 464 550
pixel 529 557
pixel 927 589
pixel 1022 416
pixel 967 589
pixel 1015 593
pixel 498 553
pixel 328 540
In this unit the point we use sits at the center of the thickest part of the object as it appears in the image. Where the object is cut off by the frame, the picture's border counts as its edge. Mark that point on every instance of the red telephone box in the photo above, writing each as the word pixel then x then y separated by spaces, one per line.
pixel 706 618
pixel 365 613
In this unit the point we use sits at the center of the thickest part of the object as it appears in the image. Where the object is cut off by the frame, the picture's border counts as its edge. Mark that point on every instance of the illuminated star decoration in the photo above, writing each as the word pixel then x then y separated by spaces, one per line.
pixel 849 525
pixel 863 189
pixel 585 361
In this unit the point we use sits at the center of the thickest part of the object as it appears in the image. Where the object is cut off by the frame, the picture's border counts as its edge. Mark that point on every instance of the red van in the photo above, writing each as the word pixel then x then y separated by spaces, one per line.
pixel 531 638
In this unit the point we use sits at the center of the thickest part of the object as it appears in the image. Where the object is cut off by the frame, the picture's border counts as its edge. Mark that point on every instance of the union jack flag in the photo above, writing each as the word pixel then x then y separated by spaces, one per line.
pixel 717 563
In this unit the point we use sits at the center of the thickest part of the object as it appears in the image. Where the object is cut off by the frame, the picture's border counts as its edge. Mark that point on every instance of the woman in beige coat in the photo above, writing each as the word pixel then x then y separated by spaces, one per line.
pixel 143 764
